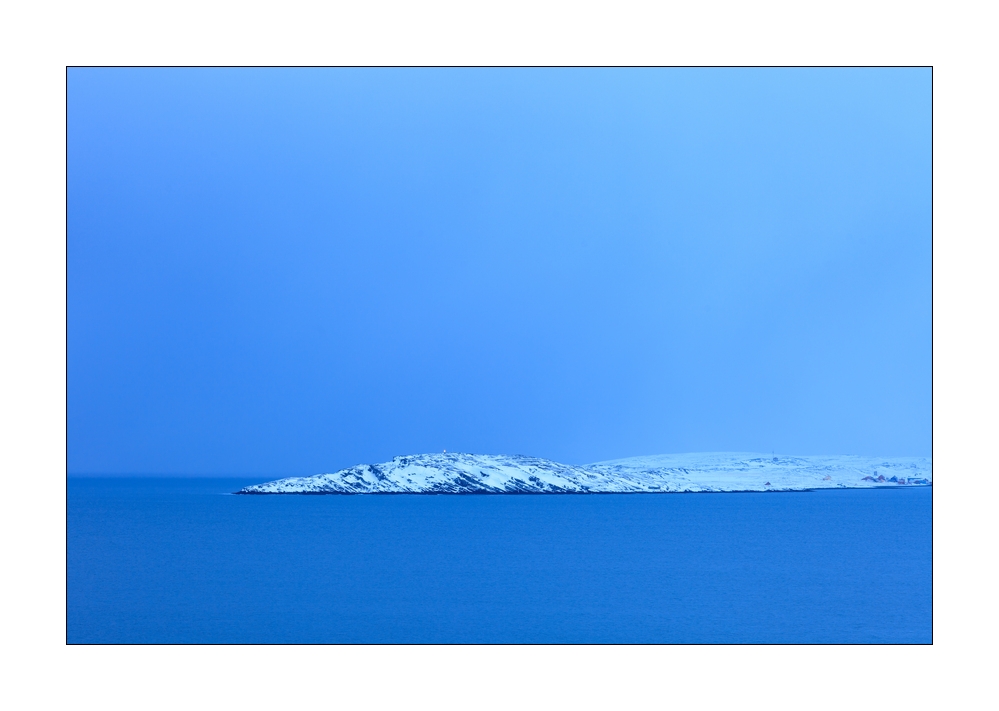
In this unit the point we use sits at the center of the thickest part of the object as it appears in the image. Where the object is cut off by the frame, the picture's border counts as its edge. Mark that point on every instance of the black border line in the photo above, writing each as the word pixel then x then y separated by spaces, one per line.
pixel 66 324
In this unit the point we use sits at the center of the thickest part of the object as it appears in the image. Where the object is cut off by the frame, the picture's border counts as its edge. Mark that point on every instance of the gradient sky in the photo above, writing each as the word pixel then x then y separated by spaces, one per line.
pixel 288 271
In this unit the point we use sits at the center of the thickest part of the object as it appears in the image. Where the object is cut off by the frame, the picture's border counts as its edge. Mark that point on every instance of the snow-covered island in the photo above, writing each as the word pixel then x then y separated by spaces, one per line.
pixel 456 473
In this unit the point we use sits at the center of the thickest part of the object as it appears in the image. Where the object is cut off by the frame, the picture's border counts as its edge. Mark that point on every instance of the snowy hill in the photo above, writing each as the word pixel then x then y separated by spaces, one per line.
pixel 455 473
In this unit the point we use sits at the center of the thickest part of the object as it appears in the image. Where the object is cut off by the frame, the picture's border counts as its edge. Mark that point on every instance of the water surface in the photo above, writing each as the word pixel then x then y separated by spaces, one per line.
pixel 179 560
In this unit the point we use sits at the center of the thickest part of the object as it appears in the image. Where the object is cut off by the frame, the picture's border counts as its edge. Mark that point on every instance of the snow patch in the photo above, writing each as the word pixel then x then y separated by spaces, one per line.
pixel 457 473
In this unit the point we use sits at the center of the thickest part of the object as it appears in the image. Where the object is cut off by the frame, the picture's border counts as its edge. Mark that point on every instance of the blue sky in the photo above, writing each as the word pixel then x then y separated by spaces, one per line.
pixel 286 271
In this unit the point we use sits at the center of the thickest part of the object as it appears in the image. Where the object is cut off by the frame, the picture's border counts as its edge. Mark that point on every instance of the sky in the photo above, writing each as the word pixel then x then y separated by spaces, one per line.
pixel 291 271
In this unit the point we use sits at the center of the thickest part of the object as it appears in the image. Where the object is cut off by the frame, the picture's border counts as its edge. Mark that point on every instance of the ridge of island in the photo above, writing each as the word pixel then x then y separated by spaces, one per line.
pixel 459 473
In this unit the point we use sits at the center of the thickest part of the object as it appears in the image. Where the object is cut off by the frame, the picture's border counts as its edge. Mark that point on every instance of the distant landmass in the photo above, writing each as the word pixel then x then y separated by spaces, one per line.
pixel 457 473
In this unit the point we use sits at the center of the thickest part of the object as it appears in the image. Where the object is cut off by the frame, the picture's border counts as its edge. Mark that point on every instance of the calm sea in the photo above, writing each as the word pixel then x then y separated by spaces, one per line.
pixel 180 560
